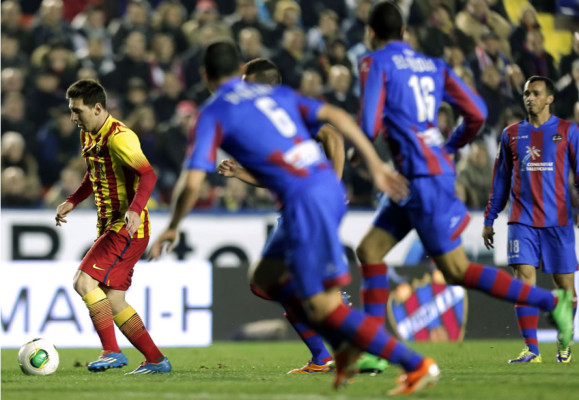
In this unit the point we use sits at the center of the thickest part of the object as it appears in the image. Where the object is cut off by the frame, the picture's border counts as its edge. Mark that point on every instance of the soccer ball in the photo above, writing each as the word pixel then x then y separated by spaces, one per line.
pixel 38 357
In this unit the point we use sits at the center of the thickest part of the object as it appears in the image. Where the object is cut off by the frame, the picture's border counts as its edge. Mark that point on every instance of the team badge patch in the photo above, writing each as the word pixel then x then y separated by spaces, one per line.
pixel 428 310
pixel 557 138
pixel 99 151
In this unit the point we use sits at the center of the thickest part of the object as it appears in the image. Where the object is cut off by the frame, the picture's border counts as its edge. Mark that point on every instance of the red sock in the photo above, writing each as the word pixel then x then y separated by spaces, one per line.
pixel 101 314
pixel 133 328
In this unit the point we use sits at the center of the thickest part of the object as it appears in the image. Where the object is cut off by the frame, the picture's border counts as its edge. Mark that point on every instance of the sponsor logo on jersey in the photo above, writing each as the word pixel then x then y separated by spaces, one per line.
pixel 557 138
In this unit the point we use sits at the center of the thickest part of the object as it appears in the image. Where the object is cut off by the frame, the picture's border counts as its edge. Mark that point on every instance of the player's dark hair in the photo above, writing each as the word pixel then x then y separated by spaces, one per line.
pixel 89 90
pixel 221 60
pixel 549 86
pixel 386 21
pixel 265 71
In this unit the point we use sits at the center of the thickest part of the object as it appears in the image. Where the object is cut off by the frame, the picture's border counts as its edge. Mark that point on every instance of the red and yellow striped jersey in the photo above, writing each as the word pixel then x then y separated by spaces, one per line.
pixel 116 165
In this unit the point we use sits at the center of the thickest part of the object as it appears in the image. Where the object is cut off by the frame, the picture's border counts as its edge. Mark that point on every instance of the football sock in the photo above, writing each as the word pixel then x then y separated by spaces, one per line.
pixel 375 290
pixel 314 342
pixel 528 320
pixel 366 333
pixel 502 285
pixel 133 328
pixel 101 314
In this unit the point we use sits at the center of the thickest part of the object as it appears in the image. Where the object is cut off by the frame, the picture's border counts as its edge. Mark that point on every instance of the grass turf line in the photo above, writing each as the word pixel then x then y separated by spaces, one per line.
pixel 235 370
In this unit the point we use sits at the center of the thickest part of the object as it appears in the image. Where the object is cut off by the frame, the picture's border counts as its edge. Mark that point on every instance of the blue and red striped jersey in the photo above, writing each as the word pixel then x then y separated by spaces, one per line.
pixel 265 128
pixel 401 93
pixel 533 163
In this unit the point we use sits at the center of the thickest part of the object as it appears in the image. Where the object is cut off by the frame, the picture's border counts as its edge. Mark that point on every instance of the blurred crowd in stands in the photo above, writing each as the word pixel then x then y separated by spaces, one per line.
pixel 147 54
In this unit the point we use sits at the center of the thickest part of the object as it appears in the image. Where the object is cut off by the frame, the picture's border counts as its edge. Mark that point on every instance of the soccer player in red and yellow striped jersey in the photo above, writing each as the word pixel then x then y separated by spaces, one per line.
pixel 122 180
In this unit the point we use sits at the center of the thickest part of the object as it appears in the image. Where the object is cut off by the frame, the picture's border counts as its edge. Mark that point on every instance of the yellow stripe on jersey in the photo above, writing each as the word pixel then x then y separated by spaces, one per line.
pixel 113 156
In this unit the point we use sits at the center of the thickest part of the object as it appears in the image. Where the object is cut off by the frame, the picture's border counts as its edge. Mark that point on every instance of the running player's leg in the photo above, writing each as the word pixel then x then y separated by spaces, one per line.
pixel 527 317
pixel 439 229
pixel 91 272
pixel 318 270
pixel 269 269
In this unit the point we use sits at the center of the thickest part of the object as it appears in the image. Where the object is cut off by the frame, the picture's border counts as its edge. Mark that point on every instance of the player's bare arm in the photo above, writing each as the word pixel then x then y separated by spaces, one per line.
pixel 62 211
pixel 488 234
pixel 386 179
pixel 333 144
pixel 185 196
pixel 230 168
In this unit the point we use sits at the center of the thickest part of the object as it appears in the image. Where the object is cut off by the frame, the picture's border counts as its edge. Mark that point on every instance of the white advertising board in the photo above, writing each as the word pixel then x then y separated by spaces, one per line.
pixel 172 298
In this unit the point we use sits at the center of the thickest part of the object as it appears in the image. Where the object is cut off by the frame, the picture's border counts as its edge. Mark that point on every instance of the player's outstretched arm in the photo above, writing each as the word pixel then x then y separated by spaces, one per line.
pixel 231 169
pixel 185 196
pixel 333 144
pixel 386 179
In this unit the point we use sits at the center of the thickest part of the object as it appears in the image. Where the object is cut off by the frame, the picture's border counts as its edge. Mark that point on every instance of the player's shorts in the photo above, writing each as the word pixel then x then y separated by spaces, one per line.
pixel 275 244
pixel 112 257
pixel 314 252
pixel 554 245
pixel 432 208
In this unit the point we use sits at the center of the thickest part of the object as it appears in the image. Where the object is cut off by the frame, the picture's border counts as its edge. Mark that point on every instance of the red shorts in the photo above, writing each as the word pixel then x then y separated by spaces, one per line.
pixel 112 257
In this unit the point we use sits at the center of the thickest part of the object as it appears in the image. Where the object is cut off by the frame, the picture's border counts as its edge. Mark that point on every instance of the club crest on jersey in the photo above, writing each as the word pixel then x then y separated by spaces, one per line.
pixel 557 138
pixel 99 151
pixel 428 310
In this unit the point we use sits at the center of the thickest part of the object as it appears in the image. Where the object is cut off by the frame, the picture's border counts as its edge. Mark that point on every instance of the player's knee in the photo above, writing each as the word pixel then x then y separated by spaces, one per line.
pixel 84 284
pixel 367 255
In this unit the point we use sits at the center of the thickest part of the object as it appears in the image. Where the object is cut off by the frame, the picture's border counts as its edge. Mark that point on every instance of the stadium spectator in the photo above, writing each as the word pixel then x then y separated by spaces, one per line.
pixel 165 101
pixel 487 53
pixel 137 95
pixel 11 54
pixel 95 57
pixel 164 60
pixel 311 84
pixel 12 79
pixel 50 25
pixel 169 18
pixel 440 32
pixel 293 58
pixel 10 24
pixel 528 21
pixel 91 24
pixel 142 120
pixel 250 44
pixel 567 60
pixel 17 157
pixel 355 27
pixel 43 96
pixel 337 54
pixel 569 95
pixel 339 91
pixel 311 10
pixel 172 145
pixel 474 173
pixel 535 60
pixel 57 59
pixel 246 16
pixel 70 178
pixel 15 191
pixel 57 144
pixel 136 19
pixel 477 19
pixel 325 32
pixel 14 118
pixel 132 63
pixel 287 17
pixel 491 92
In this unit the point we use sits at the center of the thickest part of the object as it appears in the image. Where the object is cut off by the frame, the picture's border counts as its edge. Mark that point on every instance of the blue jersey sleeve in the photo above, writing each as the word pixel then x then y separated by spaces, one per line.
pixel 309 108
pixel 204 140
pixel 574 152
pixel 471 106
pixel 372 97
pixel 501 182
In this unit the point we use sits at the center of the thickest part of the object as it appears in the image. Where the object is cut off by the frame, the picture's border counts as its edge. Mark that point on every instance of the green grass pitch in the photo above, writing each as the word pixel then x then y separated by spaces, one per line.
pixel 257 371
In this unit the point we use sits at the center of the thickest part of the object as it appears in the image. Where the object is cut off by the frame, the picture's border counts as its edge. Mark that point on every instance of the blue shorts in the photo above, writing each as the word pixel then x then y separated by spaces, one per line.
pixel 432 208
pixel 309 235
pixel 275 244
pixel 555 246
